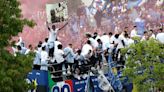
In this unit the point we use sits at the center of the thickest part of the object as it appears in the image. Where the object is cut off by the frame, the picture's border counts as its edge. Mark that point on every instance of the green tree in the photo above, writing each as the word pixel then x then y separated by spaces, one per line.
pixel 144 65
pixel 13 70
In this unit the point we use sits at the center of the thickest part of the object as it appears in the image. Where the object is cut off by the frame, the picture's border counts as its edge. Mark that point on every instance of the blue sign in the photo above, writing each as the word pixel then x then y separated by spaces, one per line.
pixel 41 79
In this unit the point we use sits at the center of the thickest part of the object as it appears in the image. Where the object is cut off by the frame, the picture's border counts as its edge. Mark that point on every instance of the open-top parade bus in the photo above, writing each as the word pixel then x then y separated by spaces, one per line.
pixel 97 82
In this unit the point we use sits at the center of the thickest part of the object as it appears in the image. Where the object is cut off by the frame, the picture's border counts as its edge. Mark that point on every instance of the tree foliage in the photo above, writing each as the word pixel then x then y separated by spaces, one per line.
pixel 11 21
pixel 13 70
pixel 144 64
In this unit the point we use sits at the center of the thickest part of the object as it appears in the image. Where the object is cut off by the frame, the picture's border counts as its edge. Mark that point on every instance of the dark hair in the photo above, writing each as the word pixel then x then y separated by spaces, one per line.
pixel 19 47
pixel 98 40
pixel 125 32
pixel 95 33
pixel 70 44
pixel 126 35
pixel 53 27
pixel 60 46
pixel 46 39
pixel 79 51
pixel 116 35
pixel 88 42
pixel 56 39
pixel 30 46
pixel 59 5
pixel 110 33
pixel 151 30
pixel 88 35
pixel 104 33
pixel 40 42
pixel 43 48
pixel 39 45
pixel 145 32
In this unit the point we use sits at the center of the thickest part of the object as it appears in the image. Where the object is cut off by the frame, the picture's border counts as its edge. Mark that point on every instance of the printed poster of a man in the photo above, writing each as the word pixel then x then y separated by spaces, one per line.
pixel 57 12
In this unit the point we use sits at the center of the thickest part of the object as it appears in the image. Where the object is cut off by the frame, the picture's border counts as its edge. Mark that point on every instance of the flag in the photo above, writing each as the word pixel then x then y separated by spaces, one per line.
pixel 114 80
pixel 89 85
pixel 103 83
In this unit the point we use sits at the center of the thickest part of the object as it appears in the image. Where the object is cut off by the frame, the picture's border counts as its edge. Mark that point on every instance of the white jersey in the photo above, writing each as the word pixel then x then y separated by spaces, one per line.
pixel 44 62
pixel 85 49
pixel 94 43
pixel 133 33
pixel 105 41
pixel 59 56
pixel 20 42
pixel 152 36
pixel 52 35
pixel 143 38
pixel 160 37
pixel 56 43
pixel 98 37
pixel 119 41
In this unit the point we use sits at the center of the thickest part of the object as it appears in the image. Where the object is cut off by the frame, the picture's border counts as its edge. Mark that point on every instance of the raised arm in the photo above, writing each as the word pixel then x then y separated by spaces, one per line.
pixel 47 26
pixel 63 26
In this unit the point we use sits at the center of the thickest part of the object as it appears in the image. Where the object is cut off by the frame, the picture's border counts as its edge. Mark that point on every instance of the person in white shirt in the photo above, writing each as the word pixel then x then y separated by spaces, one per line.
pixel 59 57
pixel 17 50
pixel 20 42
pixel 118 44
pixel 111 40
pixel 39 49
pixel 92 40
pixel 52 37
pixel 30 48
pixel 45 44
pixel 53 32
pixel 96 36
pixel 19 45
pixel 134 32
pixel 99 52
pixel 86 49
pixel 121 38
pixel 56 43
pixel 151 34
pixel 37 59
pixel 44 59
pixel 128 41
pixel 160 36
pixel 69 57
pixel 145 36
pixel 59 54
pixel 79 59
pixel 117 41
pixel 105 41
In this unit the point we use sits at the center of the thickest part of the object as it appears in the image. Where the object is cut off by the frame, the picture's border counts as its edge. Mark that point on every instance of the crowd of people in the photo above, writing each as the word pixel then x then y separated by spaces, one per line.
pixel 95 52
pixel 111 16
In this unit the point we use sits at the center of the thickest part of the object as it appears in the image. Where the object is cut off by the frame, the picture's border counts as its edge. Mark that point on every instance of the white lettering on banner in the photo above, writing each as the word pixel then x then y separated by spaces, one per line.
pixel 65 88
pixel 77 83
pixel 37 73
